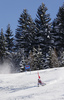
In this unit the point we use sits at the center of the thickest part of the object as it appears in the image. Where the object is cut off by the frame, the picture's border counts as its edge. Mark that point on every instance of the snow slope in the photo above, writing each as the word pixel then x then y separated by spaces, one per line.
pixel 23 86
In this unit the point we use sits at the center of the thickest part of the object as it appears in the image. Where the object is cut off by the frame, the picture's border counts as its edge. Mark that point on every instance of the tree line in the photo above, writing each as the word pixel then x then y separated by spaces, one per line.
pixel 38 42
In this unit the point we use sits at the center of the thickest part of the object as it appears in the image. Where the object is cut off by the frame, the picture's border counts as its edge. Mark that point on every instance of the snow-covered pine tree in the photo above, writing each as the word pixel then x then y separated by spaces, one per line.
pixel 33 59
pixel 58 29
pixel 62 59
pixel 43 27
pixel 9 39
pixel 60 22
pixel 17 58
pixel 2 46
pixel 25 33
pixel 24 61
pixel 36 59
pixel 54 58
pixel 47 60
pixel 40 58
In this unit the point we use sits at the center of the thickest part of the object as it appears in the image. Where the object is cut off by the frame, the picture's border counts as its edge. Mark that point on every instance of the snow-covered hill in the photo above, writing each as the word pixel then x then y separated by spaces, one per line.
pixel 23 86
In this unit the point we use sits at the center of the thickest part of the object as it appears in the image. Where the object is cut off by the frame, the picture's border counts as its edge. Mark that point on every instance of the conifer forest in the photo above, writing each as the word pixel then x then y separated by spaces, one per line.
pixel 38 43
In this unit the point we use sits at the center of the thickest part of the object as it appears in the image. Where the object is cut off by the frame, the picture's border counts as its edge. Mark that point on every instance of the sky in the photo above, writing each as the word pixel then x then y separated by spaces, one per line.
pixel 10 10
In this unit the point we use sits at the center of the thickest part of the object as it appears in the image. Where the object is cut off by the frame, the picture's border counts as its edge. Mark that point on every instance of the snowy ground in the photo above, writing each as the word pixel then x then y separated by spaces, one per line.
pixel 23 86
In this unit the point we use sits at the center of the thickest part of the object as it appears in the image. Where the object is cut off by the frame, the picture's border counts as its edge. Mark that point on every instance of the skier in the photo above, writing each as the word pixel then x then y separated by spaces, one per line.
pixel 39 81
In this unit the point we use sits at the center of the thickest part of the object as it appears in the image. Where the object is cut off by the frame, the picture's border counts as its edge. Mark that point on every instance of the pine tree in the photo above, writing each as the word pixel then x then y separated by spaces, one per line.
pixel 62 59
pixel 47 60
pixel 18 59
pixel 53 58
pixel 22 61
pixel 58 29
pixel 25 32
pixel 35 59
pixel 2 46
pixel 32 59
pixel 9 39
pixel 40 58
pixel 43 27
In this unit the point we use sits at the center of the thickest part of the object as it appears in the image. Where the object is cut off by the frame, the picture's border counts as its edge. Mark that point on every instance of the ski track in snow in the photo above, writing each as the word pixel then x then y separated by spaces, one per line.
pixel 23 86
